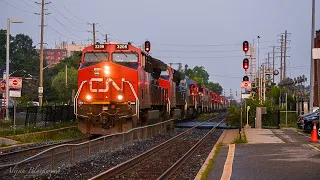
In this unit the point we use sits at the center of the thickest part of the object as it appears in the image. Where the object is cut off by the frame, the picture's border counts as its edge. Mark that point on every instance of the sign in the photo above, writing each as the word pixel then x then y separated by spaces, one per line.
pixel 99 46
pixel 40 95
pixel 245 96
pixel 15 93
pixel 3 85
pixel 40 90
pixel 121 46
pixel 15 83
pixel 246 85
pixel 316 53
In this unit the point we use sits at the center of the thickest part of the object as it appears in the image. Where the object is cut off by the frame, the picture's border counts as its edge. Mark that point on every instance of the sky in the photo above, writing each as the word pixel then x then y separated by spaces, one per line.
pixel 206 33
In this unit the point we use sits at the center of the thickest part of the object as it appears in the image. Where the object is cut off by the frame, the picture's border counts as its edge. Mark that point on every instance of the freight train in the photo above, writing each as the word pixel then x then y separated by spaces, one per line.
pixel 121 87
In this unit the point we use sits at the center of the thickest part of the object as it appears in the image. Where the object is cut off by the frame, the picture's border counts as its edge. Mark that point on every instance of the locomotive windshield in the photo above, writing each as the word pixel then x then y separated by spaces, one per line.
pixel 95 57
pixel 124 57
pixel 165 74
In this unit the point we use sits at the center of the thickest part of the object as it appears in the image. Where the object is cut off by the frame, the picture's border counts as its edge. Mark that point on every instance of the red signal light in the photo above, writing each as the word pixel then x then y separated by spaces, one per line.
pixel 245 63
pixel 245 46
pixel 147 46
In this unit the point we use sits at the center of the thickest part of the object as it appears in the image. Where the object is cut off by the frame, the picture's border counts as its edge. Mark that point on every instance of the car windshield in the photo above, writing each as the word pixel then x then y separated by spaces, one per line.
pixel 124 57
pixel 96 57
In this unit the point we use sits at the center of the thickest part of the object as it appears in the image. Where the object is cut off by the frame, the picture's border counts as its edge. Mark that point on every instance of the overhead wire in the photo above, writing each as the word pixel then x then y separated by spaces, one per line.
pixel 17 7
pixel 30 5
pixel 109 33
pixel 70 20
pixel 201 45
pixel 65 35
pixel 84 22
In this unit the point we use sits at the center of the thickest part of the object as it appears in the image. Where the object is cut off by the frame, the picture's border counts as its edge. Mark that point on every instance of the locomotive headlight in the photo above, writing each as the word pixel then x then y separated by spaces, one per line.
pixel 89 97
pixel 107 70
pixel 120 97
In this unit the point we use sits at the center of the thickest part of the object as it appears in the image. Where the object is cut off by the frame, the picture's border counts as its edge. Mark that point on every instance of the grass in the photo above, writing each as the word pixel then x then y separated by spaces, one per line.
pixel 243 140
pixel 53 136
pixel 211 162
pixel 8 131
pixel 5 145
pixel 205 117
pixel 318 147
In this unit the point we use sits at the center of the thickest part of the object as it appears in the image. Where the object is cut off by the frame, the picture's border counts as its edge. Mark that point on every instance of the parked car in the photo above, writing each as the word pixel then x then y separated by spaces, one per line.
pixel 302 118
pixel 306 122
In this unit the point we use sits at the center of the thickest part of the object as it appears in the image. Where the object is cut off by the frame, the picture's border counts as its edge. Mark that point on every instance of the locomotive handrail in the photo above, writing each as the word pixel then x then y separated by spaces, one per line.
pixel 75 100
pixel 135 95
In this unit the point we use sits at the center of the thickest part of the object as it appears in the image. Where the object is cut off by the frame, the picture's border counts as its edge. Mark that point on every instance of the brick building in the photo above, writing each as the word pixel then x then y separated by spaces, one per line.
pixel 52 56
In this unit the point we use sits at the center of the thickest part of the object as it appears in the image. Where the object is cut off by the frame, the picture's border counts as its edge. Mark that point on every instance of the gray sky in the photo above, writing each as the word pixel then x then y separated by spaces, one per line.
pixel 206 33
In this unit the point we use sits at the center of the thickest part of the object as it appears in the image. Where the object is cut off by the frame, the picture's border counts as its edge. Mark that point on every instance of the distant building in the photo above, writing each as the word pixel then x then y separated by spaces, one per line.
pixel 52 56
pixel 71 48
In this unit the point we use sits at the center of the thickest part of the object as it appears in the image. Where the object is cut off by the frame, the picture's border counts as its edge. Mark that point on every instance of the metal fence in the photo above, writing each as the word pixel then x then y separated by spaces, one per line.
pixel 65 155
pixel 37 116
pixel 277 118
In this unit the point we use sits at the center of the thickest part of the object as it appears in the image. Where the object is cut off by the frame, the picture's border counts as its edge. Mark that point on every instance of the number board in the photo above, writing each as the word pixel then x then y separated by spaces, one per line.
pixel 121 46
pixel 99 46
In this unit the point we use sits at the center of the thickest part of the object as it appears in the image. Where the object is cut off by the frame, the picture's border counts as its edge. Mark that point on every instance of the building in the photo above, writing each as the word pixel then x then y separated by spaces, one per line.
pixel 71 48
pixel 52 56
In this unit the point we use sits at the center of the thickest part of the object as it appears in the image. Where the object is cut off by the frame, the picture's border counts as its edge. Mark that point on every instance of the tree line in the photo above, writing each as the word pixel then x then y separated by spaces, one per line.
pixel 24 62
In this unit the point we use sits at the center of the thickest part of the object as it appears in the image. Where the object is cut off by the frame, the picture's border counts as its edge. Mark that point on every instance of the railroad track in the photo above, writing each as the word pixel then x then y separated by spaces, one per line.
pixel 149 166
pixel 15 156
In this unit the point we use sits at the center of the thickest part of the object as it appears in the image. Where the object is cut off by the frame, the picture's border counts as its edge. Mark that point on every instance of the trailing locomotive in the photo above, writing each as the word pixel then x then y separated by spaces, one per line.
pixel 121 87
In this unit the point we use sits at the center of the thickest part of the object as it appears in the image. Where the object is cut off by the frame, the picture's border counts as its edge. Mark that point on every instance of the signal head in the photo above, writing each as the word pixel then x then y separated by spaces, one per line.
pixel 246 63
pixel 147 46
pixel 245 78
pixel 245 46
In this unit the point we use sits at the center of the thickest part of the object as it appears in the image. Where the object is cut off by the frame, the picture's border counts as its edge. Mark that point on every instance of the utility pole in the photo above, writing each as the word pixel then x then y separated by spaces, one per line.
pixel 66 75
pixel 94 32
pixel 273 64
pixel 312 61
pixel 40 90
pixel 281 56
pixel 268 61
pixel 285 56
pixel 106 38
pixel 264 83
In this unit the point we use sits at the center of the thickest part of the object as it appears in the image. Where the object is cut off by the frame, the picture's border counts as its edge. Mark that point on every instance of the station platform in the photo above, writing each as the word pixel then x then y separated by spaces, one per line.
pixel 204 125
pixel 269 154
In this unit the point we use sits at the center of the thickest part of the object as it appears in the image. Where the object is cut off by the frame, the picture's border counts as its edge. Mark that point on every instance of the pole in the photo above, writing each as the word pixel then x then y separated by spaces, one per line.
pixel 312 62
pixel 264 83
pixel 245 104
pixel 240 128
pixel 66 75
pixel 94 32
pixel 285 56
pixel 14 117
pixel 268 61
pixel 286 109
pixel 41 54
pixel 7 70
pixel 281 56
pixel 273 64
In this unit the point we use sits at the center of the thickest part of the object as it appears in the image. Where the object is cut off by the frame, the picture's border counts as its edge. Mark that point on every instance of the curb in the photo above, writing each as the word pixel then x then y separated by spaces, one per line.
pixel 205 164
pixel 42 132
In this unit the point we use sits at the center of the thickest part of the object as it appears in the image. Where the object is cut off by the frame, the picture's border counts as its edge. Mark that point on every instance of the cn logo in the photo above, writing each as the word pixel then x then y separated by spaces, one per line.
pixel 108 81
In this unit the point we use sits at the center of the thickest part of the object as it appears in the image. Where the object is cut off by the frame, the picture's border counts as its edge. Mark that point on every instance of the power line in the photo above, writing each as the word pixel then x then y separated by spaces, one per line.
pixel 84 22
pixel 234 77
pixel 17 7
pixel 65 35
pixel 108 33
pixel 206 44
pixel 30 5
pixel 68 26
pixel 70 20
pixel 209 57
pixel 65 27
pixel 200 51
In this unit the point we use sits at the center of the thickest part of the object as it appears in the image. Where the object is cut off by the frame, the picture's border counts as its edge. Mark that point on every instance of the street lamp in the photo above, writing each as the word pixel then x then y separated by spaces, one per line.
pixel 7 63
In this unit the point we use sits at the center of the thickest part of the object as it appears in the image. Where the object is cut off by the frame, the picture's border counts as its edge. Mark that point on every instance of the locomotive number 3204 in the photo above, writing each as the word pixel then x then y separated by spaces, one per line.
pixel 122 46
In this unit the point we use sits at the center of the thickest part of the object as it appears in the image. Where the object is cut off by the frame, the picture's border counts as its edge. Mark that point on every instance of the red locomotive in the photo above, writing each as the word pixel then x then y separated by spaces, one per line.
pixel 121 87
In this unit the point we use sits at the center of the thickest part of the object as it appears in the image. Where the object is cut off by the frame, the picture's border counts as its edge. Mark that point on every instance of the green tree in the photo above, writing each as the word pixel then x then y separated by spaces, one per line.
pixel 215 87
pixel 50 92
pixel 65 90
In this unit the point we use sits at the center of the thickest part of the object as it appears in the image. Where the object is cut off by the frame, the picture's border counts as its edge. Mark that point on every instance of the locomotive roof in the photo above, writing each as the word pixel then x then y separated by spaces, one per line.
pixel 156 63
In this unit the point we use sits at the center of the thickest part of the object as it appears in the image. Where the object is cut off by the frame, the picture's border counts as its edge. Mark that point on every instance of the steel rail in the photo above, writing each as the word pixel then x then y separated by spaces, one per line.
pixel 37 148
pixel 177 164
pixel 131 162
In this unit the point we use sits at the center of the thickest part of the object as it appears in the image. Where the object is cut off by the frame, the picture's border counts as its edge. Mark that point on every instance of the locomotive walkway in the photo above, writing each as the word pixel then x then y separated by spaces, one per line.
pixel 269 154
